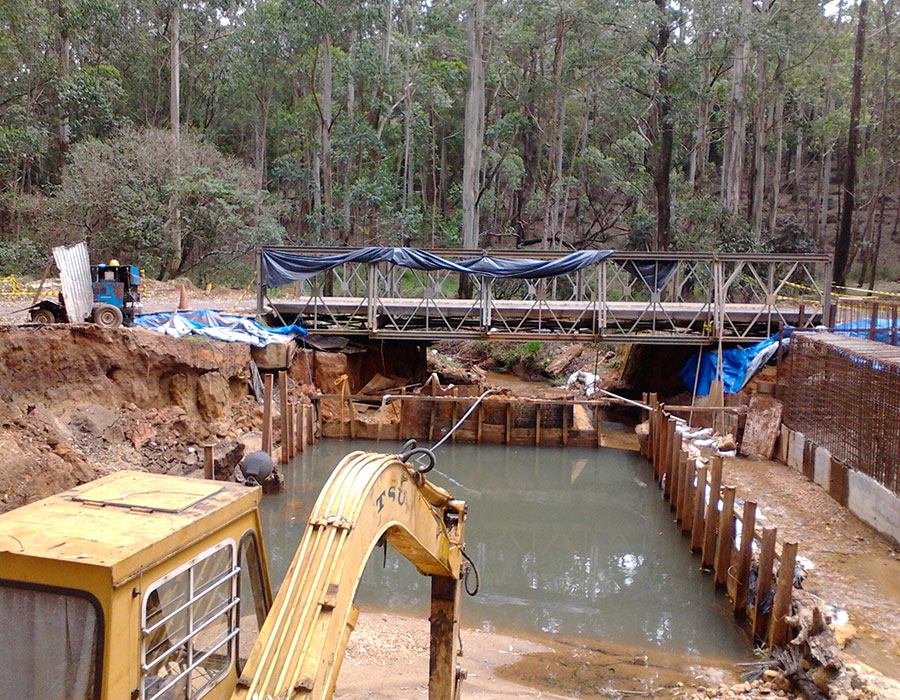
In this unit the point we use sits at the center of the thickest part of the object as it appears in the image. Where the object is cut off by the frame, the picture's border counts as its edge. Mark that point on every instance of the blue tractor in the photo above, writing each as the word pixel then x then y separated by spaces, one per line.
pixel 108 295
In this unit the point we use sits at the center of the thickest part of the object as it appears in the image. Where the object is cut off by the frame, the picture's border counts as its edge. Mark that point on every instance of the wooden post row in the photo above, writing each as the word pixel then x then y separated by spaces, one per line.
pixel 209 471
pixel 699 521
pixel 763 581
pixel 285 427
pixel 674 462
pixel 300 426
pixel 268 389
pixel 711 519
pixel 745 558
pixel 781 608
pixel 683 487
pixel 725 539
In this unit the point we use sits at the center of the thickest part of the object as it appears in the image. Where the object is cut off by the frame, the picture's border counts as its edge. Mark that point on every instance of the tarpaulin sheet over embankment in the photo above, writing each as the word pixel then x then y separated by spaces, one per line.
pixel 282 267
pixel 740 364
pixel 212 324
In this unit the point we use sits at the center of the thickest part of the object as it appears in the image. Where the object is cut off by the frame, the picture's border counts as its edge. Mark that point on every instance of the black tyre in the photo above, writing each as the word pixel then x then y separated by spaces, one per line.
pixel 107 315
pixel 42 316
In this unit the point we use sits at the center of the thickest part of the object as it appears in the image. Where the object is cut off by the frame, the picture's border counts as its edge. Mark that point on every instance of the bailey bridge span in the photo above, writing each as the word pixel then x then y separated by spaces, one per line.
pixel 612 296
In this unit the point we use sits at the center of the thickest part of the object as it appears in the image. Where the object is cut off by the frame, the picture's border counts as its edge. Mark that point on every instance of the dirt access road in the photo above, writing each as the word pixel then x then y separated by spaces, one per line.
pixel 156 297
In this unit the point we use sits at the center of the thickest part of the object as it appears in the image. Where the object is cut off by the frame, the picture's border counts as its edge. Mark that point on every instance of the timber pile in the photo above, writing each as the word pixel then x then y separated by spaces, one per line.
pixel 759 579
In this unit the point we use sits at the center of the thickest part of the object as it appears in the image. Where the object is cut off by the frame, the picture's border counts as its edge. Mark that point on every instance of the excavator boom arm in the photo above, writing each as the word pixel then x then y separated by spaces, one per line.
pixel 368 496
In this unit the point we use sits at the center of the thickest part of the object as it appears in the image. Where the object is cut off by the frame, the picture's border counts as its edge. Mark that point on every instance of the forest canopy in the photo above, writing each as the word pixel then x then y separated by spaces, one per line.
pixel 182 134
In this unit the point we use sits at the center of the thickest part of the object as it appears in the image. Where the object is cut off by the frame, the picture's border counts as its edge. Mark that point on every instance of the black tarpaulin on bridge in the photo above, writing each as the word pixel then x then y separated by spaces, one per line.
pixel 282 267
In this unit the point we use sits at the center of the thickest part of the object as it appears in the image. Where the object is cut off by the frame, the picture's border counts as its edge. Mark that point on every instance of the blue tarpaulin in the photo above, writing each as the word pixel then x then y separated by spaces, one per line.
pixel 212 324
pixel 653 273
pixel 740 364
pixel 283 266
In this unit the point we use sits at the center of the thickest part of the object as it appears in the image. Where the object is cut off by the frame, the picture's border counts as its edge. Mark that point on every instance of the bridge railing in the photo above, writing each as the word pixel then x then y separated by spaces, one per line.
pixel 653 297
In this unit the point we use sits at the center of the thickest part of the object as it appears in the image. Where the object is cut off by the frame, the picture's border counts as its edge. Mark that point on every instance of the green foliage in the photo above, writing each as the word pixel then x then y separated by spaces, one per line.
pixel 791 237
pixel 20 257
pixel 531 356
pixel 641 227
pixel 701 224
pixel 121 194
pixel 90 98
pixel 584 76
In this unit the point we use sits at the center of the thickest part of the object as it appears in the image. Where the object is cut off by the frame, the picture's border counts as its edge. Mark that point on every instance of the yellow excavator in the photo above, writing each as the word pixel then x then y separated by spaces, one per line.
pixel 149 587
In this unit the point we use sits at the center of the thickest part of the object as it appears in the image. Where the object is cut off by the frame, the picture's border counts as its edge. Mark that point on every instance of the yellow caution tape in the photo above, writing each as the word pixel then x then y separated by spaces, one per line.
pixel 13 286
pixel 864 292
pixel 246 289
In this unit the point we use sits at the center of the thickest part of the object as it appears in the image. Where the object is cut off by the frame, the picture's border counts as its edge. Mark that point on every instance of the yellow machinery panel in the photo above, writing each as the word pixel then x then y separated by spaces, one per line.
pixel 154 587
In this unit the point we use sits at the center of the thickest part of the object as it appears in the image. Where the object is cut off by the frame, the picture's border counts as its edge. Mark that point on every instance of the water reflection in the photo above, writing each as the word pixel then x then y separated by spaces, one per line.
pixel 569 542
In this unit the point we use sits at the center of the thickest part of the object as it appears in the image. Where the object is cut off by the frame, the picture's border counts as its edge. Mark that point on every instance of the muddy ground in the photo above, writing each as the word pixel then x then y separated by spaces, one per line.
pixel 854 568
pixel 77 402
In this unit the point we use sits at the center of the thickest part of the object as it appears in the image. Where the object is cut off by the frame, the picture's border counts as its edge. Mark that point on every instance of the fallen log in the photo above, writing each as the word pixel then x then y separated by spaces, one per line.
pixel 810 620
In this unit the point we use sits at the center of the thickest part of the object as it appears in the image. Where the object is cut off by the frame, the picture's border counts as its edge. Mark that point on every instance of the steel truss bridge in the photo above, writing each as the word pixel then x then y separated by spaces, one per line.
pixel 740 297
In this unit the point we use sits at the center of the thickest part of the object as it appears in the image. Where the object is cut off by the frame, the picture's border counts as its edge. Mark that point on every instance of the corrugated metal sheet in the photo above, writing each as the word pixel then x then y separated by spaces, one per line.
pixel 75 280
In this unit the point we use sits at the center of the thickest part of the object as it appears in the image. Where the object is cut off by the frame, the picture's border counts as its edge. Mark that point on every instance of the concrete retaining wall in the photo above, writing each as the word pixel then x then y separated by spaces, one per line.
pixel 863 496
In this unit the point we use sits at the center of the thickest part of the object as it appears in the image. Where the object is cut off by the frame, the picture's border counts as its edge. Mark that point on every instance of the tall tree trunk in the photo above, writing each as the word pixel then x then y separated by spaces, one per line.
pixel 408 172
pixel 555 169
pixel 700 152
pixel 665 133
pixel 887 44
pixel 65 53
pixel 327 118
pixel 474 124
pixel 760 136
pixel 175 126
pixel 388 24
pixel 261 137
pixel 351 117
pixel 845 231
pixel 443 179
pixel 775 192
pixel 529 142
pixel 473 135
pixel 316 181
pixel 735 136
pixel 824 192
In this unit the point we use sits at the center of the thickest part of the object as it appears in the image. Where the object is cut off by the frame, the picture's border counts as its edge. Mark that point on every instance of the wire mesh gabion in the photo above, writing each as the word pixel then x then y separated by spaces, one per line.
pixel 843 393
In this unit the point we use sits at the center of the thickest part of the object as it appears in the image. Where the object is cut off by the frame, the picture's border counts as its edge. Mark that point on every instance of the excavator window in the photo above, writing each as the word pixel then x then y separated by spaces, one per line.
pixel 189 626
pixel 51 643
pixel 254 596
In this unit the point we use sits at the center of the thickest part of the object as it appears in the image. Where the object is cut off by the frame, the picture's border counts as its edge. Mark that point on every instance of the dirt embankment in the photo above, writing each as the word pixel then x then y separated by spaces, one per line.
pixel 79 401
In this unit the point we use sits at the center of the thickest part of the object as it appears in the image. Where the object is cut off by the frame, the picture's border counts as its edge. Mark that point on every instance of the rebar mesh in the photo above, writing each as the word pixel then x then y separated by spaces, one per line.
pixel 879 318
pixel 844 395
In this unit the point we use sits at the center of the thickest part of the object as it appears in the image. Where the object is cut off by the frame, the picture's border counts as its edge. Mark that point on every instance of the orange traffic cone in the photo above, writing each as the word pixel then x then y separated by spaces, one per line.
pixel 183 300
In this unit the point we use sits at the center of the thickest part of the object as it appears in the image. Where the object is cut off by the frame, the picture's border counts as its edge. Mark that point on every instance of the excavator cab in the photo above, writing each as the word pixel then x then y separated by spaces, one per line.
pixel 133 586
pixel 154 587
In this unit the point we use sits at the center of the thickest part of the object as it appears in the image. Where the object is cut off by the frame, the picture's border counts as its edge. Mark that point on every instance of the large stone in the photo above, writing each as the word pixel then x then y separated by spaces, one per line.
pixel 57 430
pixel 302 367
pixel 212 395
pixel 226 459
pixel 275 356
pixel 564 359
pixel 93 419
pixel 182 392
pixel 330 367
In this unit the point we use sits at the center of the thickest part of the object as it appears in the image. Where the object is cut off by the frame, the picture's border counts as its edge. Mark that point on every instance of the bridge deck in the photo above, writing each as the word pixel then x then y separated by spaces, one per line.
pixel 659 297
pixel 513 319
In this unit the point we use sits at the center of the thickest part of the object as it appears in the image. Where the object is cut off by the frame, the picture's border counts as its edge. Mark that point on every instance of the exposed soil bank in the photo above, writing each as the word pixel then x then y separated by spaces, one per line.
pixel 77 402
pixel 80 401
pixel 855 569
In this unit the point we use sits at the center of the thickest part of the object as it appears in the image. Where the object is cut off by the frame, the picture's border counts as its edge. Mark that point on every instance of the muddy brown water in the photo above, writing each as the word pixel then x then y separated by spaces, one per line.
pixel 571 544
